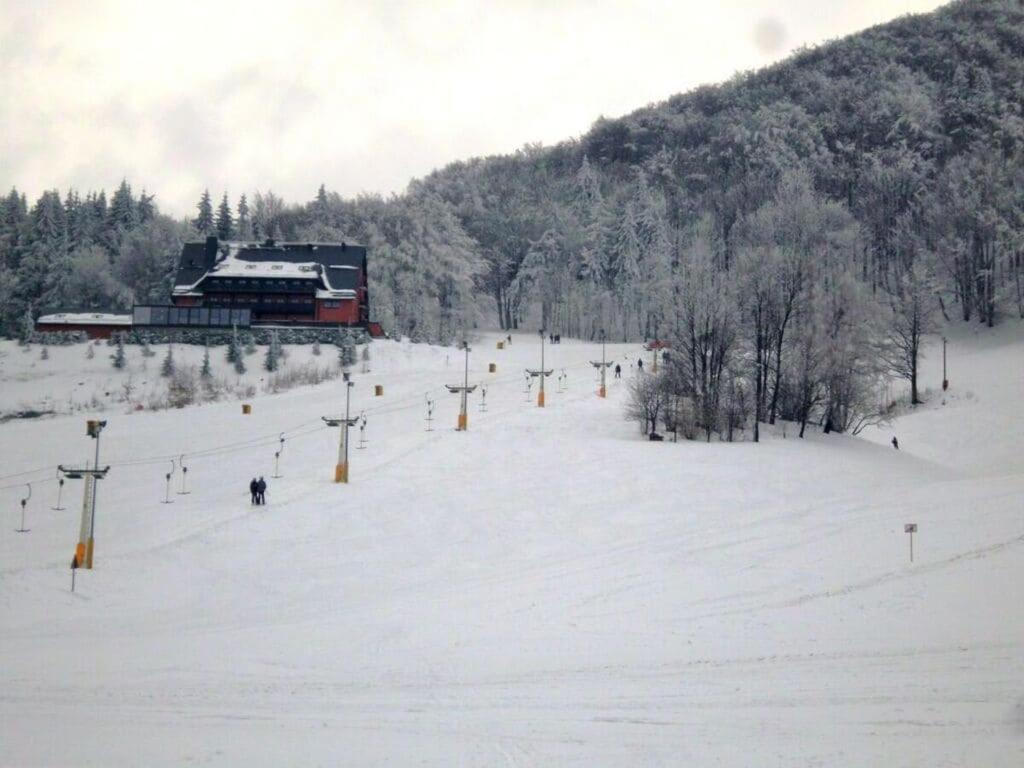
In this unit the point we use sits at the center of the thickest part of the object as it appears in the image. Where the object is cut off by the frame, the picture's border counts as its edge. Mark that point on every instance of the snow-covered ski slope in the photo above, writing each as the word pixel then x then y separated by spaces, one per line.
pixel 546 589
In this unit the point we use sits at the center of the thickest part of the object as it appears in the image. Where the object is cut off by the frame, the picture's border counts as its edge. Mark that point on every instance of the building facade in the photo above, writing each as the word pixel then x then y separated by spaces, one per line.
pixel 279 283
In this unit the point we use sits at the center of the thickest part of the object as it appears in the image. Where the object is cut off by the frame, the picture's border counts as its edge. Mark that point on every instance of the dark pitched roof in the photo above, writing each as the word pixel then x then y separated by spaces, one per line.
pixel 198 258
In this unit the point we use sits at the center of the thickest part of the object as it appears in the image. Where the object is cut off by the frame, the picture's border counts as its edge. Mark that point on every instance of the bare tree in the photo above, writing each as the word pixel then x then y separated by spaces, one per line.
pixel 911 318
pixel 647 398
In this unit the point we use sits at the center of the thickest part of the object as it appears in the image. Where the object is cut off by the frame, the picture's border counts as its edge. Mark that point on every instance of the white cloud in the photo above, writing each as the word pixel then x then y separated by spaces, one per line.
pixel 362 96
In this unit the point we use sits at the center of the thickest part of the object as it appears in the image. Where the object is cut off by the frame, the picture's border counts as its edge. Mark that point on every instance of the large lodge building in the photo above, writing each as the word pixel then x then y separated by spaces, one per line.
pixel 294 283
pixel 224 284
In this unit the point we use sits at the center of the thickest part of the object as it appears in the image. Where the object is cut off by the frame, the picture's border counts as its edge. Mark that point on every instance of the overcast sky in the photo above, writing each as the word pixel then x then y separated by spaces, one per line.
pixel 362 96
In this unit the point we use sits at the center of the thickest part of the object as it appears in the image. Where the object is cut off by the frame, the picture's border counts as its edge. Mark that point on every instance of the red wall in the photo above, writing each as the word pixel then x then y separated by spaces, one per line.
pixel 94 331
pixel 348 312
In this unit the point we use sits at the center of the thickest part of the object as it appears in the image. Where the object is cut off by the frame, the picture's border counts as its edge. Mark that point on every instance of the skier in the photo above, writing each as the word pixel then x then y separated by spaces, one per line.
pixel 618 371
pixel 895 443
pixel 261 491
pixel 253 490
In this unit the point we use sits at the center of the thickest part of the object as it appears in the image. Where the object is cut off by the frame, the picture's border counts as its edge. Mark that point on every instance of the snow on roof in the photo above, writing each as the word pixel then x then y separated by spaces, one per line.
pixel 233 266
pixel 335 293
pixel 85 318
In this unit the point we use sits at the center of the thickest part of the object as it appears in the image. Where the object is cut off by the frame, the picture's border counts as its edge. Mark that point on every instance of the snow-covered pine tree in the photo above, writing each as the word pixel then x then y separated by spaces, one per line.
pixel 234 353
pixel 346 349
pixel 204 221
pixel 272 360
pixel 243 223
pixel 45 354
pixel 366 358
pixel 316 348
pixel 206 372
pixel 147 351
pixel 122 214
pixel 167 366
pixel 28 327
pixel 225 222
pixel 118 358
pixel 89 353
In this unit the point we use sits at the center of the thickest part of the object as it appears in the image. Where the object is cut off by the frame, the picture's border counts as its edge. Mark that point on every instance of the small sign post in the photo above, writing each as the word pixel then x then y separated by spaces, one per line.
pixel 911 528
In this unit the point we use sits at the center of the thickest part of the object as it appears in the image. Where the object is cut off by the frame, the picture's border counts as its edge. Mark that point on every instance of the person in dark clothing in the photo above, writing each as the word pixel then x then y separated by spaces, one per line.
pixel 261 491
pixel 895 443
pixel 510 338
pixel 253 491
pixel 640 364
pixel 618 371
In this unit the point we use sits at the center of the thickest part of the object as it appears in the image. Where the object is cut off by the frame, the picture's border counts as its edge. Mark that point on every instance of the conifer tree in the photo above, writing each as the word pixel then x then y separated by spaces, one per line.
pixel 45 354
pixel 118 357
pixel 273 357
pixel 204 221
pixel 28 327
pixel 225 223
pixel 122 213
pixel 167 367
pixel 366 358
pixel 243 222
pixel 89 352
pixel 145 209
pixel 346 349
pixel 234 350
pixel 206 372
pixel 316 348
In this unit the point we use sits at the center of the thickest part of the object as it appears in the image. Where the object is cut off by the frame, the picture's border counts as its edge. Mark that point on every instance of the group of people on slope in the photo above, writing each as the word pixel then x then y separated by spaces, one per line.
pixel 258 490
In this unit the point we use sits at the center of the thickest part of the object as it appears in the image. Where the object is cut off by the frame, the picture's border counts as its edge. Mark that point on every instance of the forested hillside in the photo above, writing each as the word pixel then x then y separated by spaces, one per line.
pixel 793 230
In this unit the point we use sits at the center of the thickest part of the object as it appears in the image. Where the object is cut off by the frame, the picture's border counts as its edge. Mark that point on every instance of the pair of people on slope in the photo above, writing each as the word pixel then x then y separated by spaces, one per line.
pixel 258 490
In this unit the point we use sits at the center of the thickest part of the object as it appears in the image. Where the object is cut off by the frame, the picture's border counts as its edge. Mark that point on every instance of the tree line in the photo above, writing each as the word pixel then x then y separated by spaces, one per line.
pixel 795 232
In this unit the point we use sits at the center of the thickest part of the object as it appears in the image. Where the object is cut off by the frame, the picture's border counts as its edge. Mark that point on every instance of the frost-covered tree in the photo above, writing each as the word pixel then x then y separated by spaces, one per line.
pixel 118 358
pixel 206 372
pixel 316 348
pixel 225 222
pixel 346 349
pixel 272 359
pixel 28 327
pixel 647 399
pixel 167 366
pixel 911 317
pixel 203 222
pixel 243 222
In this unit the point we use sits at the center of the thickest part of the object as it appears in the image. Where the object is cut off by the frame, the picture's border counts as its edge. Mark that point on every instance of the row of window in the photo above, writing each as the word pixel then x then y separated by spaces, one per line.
pixel 205 316
pixel 249 300
pixel 242 284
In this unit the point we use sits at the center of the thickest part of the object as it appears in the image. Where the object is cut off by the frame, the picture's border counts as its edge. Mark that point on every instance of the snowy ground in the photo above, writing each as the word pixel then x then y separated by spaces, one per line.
pixel 545 589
